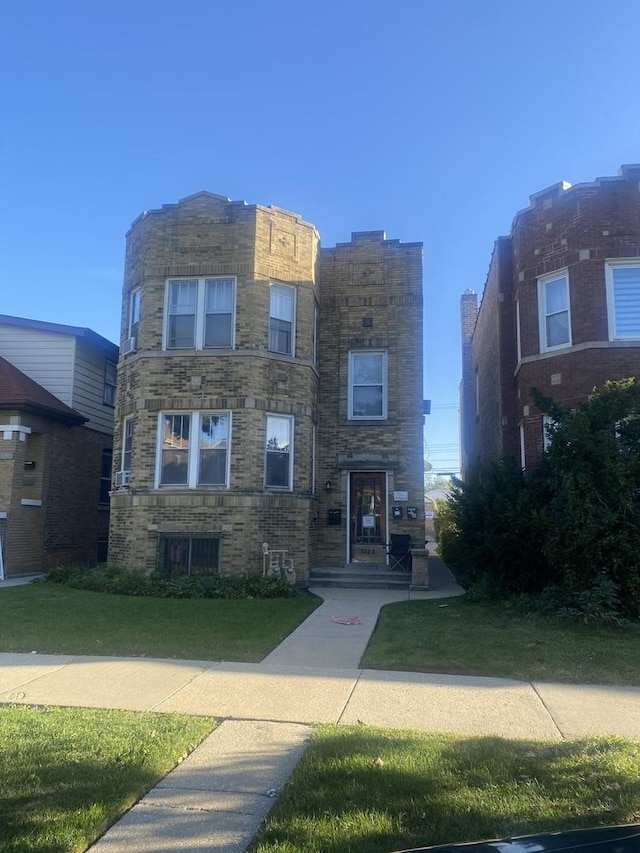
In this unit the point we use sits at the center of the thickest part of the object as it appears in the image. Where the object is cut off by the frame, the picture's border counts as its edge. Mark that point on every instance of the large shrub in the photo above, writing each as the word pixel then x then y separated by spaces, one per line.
pixel 490 532
pixel 592 520
pixel 571 528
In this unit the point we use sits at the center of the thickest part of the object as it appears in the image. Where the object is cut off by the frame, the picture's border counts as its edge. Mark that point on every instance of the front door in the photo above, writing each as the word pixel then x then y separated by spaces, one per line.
pixel 367 492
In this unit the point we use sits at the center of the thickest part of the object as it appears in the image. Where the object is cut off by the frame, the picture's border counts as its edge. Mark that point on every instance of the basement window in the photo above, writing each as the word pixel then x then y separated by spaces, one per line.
pixel 189 554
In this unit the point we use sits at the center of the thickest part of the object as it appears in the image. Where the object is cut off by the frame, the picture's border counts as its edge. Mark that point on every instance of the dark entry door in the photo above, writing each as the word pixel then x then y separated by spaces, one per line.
pixel 368 516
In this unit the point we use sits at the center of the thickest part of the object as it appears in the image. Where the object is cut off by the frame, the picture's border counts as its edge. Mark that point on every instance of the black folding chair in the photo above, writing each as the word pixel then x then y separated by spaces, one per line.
pixel 399 551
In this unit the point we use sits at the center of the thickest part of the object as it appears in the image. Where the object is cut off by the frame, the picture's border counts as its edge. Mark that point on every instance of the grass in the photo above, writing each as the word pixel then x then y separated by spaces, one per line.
pixel 50 618
pixel 365 790
pixel 67 774
pixel 460 636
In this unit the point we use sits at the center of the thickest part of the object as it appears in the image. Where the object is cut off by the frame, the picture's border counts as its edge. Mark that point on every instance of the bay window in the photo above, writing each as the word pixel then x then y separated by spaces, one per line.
pixel 193 449
pixel 200 313
pixel 553 311
pixel 127 443
pixel 623 298
pixel 282 319
pixel 279 452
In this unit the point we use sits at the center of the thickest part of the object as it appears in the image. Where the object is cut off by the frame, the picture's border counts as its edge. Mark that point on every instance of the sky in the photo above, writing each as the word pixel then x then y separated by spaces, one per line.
pixel 432 121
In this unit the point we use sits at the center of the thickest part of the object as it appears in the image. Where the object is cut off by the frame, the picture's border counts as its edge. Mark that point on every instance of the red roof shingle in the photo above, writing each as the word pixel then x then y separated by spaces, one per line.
pixel 18 391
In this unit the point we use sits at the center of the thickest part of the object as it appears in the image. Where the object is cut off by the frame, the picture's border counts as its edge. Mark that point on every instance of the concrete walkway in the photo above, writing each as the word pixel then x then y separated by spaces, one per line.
pixel 219 796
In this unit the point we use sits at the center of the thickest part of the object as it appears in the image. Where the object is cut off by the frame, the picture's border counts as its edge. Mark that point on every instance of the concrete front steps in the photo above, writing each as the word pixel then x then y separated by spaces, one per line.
pixel 359 576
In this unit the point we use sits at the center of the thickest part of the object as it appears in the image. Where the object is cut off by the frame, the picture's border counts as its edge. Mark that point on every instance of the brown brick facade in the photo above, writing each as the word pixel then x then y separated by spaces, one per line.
pixel 205 237
pixel 49 490
pixel 566 232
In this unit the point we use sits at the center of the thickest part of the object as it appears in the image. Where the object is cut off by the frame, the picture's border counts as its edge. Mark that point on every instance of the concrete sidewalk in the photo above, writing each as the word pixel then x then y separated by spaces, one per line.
pixel 218 797
pixel 317 694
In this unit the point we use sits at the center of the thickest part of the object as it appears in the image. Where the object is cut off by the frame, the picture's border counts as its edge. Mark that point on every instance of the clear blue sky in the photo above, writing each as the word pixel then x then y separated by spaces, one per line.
pixel 433 121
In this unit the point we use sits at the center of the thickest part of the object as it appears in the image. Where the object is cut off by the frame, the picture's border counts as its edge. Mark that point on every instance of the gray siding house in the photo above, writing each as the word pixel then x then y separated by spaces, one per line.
pixel 57 397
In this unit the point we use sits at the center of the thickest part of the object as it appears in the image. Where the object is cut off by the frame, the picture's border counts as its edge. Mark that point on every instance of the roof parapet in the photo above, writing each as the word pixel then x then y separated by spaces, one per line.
pixel 626 172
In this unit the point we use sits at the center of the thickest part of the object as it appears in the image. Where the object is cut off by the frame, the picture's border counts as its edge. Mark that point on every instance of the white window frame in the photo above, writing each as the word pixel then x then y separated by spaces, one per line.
pixel 127 443
pixel 193 450
pixel 200 312
pixel 523 455
pixel 273 416
pixel 610 266
pixel 543 281
pixel 135 299
pixel 290 293
pixel 209 280
pixel 353 356
pixel 518 332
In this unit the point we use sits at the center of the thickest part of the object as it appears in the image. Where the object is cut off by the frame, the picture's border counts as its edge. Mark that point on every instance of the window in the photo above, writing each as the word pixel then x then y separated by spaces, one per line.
pixel 110 379
pixel 182 314
pixel 180 554
pixel 522 447
pixel 105 475
pixel 218 312
pixel 127 443
pixel 518 338
pixel 200 313
pixel 623 299
pixel 281 318
pixel 212 450
pixel 278 467
pixel 553 308
pixel 134 313
pixel 368 385
pixel 194 449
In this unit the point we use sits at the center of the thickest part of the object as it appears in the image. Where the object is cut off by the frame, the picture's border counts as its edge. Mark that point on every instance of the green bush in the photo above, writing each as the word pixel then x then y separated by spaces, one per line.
pixel 157 585
pixel 491 531
pixel 568 533
pixel 592 529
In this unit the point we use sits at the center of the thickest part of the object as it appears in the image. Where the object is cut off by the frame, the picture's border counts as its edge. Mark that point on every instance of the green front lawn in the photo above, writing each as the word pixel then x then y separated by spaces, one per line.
pixel 45 617
pixel 66 774
pixel 367 790
pixel 460 636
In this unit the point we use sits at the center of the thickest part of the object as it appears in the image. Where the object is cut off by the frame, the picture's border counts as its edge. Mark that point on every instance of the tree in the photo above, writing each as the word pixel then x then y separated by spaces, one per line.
pixel 592 468
pixel 490 531
pixel 572 524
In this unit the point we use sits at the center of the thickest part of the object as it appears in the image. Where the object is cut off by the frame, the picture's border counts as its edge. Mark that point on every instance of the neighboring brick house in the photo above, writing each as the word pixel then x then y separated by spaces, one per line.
pixel 57 395
pixel 268 391
pixel 560 312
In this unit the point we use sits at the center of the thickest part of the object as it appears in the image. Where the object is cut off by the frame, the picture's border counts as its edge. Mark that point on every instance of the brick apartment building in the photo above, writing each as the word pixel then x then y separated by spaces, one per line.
pixel 269 390
pixel 560 312
pixel 57 397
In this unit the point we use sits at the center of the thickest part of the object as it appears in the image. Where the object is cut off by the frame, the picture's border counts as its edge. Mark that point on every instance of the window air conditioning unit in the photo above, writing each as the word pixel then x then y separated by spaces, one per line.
pixel 129 346
pixel 122 478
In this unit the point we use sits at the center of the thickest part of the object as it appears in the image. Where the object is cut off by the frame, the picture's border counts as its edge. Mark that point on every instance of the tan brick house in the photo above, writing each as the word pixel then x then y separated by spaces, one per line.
pixel 57 396
pixel 269 390
pixel 560 312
